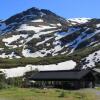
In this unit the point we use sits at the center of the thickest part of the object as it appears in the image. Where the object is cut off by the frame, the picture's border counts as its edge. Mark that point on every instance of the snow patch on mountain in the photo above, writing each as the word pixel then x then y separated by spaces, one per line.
pixel 27 53
pixel 10 56
pixel 14 38
pixel 74 44
pixel 98 25
pixel 39 43
pixel 92 59
pixel 25 27
pixel 1 49
pixel 79 20
pixel 57 48
pixel 44 52
pixel 59 24
pixel 20 71
pixel 38 20
pixel 60 35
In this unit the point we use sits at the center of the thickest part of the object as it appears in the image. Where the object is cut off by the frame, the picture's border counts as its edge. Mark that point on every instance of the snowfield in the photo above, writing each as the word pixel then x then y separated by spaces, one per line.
pixel 27 53
pixel 92 59
pixel 10 56
pixel 25 27
pixel 20 71
pixel 42 53
pixel 39 43
pixel 38 20
pixel 98 25
pixel 14 38
pixel 79 20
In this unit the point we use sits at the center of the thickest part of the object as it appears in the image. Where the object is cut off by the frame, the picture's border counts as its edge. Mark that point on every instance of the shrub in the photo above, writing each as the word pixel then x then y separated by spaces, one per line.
pixel 2 81
pixel 15 82
pixel 62 94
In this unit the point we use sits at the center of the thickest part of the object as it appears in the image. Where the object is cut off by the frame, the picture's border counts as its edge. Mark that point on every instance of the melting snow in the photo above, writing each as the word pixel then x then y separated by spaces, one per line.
pixel 20 71
pixel 91 59
pixel 80 20
pixel 79 40
pixel 98 25
pixel 1 49
pixel 14 38
pixel 25 27
pixel 10 56
pixel 38 20
pixel 59 24
pixel 63 34
pixel 37 35
pixel 47 44
pixel 27 53
pixel 58 48
pixel 39 43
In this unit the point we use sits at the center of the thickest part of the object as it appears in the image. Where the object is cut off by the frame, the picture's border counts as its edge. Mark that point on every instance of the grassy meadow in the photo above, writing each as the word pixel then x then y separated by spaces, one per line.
pixel 46 94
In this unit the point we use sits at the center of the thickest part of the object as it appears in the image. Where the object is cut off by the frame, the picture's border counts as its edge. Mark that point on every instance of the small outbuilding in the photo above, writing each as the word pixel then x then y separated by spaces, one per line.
pixel 73 79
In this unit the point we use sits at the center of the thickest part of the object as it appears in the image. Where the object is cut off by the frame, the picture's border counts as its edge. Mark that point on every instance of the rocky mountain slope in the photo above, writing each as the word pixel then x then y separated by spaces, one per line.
pixel 41 34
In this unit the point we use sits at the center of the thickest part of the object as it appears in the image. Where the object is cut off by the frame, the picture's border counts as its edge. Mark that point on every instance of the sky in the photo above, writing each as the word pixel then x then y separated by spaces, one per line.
pixel 64 8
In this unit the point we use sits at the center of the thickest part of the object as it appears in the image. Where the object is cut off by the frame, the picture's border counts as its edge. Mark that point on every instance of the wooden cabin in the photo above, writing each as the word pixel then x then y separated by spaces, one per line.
pixel 73 79
pixel 96 72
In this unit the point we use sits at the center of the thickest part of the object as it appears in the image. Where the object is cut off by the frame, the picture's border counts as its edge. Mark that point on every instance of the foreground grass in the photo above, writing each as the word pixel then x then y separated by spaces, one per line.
pixel 44 94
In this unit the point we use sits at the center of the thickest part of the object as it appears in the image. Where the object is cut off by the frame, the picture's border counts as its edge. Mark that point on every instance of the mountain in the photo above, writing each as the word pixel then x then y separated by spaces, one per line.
pixel 39 36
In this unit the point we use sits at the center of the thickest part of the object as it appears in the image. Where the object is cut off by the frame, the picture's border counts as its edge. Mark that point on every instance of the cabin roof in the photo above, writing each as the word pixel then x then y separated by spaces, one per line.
pixel 59 75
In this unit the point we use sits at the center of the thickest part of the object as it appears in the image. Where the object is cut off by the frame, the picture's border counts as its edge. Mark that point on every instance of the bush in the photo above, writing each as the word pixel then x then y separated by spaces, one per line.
pixel 62 94
pixel 2 81
pixel 15 82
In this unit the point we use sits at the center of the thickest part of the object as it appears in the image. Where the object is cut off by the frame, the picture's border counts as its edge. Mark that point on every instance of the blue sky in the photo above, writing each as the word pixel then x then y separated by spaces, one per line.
pixel 65 8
